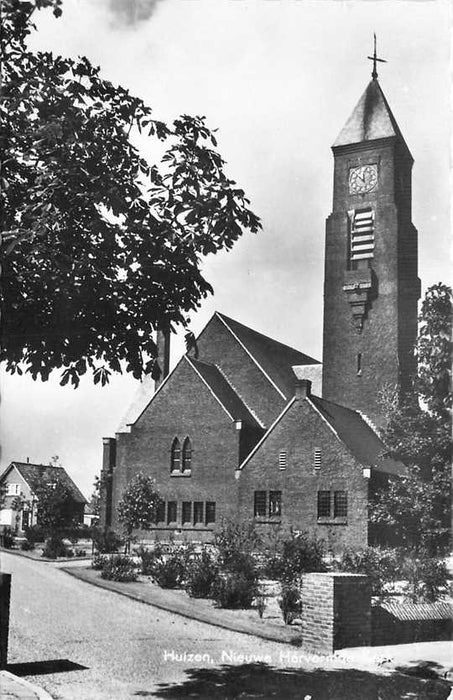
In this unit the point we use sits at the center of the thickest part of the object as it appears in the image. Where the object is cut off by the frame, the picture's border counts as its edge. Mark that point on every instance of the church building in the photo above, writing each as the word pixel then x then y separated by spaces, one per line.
pixel 248 428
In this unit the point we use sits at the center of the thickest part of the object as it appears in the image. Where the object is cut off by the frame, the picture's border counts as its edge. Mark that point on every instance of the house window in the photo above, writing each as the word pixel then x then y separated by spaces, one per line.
pixel 317 458
pixel 172 512
pixel 175 456
pixel 340 504
pixel 323 504
pixel 282 459
pixel 13 489
pixel 260 504
pixel 186 512
pixel 275 503
pixel 197 512
pixel 186 456
pixel 210 512
pixel 361 236
pixel 160 513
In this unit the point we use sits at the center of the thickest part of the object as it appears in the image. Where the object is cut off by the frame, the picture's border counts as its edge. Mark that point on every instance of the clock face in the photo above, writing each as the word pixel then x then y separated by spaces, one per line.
pixel 363 179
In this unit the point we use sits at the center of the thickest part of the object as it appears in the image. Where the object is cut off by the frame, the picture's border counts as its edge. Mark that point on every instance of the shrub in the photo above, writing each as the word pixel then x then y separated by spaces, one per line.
pixel 78 532
pixel 106 541
pixel 119 568
pixel 7 538
pixel 151 559
pixel 35 534
pixel 55 547
pixel 99 561
pixel 26 546
pixel 426 577
pixel 167 564
pixel 235 540
pixel 298 554
pixel 290 603
pixel 380 565
pixel 201 574
pixel 234 590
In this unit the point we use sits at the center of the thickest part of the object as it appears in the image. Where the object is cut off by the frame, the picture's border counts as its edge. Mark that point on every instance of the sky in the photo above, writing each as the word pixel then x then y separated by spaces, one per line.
pixel 278 79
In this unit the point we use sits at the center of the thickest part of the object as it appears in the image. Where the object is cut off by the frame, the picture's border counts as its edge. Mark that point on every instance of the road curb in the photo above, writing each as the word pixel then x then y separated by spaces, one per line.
pixel 199 616
pixel 45 560
pixel 22 689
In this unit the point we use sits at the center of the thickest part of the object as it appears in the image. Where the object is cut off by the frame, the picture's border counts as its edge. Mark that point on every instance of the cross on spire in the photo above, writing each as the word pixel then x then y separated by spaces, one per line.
pixel 375 59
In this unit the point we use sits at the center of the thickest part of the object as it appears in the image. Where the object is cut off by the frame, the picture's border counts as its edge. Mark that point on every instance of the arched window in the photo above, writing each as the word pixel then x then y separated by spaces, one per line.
pixel 186 456
pixel 175 456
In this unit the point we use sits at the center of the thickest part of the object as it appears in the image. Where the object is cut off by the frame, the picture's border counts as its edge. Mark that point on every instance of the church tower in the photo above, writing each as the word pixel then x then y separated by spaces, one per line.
pixel 371 286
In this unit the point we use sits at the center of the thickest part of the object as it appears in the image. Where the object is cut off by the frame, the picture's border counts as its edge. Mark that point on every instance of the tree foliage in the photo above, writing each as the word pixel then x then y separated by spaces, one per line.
pixel 100 247
pixel 416 507
pixel 137 509
pixel 55 503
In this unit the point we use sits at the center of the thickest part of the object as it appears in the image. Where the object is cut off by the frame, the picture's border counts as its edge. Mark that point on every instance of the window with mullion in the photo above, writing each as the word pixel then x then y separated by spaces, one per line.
pixel 198 512
pixel 187 512
pixel 340 504
pixel 172 512
pixel 160 512
pixel 275 503
pixel 324 504
pixel 259 508
pixel 210 512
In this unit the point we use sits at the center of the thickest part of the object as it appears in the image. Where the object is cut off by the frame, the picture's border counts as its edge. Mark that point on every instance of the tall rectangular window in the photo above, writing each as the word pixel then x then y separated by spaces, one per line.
pixel 275 503
pixel 340 504
pixel 186 512
pixel 198 512
pixel 323 504
pixel 172 512
pixel 13 489
pixel 282 459
pixel 259 508
pixel 210 512
pixel 160 512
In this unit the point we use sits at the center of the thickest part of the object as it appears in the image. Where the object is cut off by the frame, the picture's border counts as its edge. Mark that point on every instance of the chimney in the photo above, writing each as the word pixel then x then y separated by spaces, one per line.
pixel 163 355
pixel 108 465
pixel 302 388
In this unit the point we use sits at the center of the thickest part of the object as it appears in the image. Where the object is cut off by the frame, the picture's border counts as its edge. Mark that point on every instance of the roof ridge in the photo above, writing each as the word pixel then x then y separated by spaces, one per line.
pixel 190 360
pixel 260 422
pixel 369 423
pixel 225 320
pixel 268 337
pixel 267 433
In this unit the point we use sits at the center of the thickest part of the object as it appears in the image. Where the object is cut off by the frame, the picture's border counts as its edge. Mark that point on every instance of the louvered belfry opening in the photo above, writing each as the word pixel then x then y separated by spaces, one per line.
pixel 361 236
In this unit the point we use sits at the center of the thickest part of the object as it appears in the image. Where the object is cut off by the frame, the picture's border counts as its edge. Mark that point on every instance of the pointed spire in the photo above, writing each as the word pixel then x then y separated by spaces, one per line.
pixel 371 119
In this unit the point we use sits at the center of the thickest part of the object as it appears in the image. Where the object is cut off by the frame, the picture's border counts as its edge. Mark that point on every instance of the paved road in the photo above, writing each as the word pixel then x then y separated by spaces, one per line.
pixel 80 642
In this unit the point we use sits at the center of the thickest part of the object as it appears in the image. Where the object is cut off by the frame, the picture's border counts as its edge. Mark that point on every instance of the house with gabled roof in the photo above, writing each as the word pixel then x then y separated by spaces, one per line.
pixel 19 506
pixel 248 428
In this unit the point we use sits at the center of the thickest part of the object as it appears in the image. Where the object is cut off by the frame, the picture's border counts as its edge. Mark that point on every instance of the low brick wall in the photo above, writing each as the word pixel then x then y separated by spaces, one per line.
pixel 336 611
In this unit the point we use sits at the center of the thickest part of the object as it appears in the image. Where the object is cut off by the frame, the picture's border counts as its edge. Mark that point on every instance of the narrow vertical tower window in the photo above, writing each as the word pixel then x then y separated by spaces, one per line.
pixel 359 363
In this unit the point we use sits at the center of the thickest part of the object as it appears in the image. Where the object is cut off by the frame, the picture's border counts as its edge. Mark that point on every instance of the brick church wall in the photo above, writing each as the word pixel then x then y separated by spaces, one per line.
pixel 300 432
pixel 184 406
